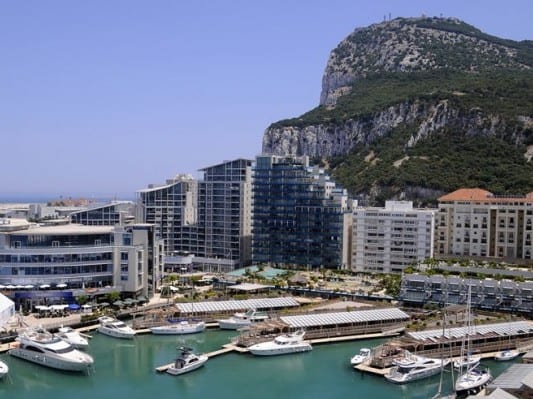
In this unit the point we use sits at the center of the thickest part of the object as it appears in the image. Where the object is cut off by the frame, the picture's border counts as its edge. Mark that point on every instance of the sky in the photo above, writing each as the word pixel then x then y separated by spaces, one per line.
pixel 101 98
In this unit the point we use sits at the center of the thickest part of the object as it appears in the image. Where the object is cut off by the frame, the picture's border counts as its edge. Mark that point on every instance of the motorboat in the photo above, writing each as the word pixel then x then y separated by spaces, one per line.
pixel 466 362
pixel 362 356
pixel 39 346
pixel 4 369
pixel 282 344
pixel 414 367
pixel 73 337
pixel 505 355
pixel 186 361
pixel 115 328
pixel 240 320
pixel 472 381
pixel 181 327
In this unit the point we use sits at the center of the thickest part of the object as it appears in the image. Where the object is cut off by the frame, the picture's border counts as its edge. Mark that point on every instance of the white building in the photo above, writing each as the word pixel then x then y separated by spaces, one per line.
pixel 7 309
pixel 387 240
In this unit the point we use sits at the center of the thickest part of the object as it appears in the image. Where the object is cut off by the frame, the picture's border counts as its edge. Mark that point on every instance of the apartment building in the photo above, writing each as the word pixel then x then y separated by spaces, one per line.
pixel 477 223
pixel 389 239
pixel 300 217
pixel 208 219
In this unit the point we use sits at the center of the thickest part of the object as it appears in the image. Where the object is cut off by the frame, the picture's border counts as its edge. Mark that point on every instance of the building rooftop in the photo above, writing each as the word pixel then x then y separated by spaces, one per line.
pixel 338 318
pixel 480 195
pixel 66 229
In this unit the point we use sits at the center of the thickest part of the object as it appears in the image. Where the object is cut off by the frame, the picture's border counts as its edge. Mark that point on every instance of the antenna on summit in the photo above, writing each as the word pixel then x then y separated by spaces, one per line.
pixel 389 16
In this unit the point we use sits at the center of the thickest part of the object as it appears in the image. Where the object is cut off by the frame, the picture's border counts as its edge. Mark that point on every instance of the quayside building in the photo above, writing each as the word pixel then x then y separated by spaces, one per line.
pixel 61 261
pixel 488 294
pixel 382 322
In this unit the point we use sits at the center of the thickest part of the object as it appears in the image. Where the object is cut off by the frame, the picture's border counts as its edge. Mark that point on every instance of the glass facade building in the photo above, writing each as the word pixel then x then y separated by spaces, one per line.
pixel 300 217
pixel 209 218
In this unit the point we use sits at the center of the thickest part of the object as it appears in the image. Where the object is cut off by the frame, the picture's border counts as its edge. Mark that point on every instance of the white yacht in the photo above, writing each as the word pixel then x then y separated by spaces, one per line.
pixel 42 347
pixel 472 381
pixel 505 355
pixel 282 344
pixel 179 328
pixel 362 356
pixel 466 361
pixel 240 320
pixel 115 328
pixel 73 337
pixel 3 369
pixel 413 367
pixel 186 361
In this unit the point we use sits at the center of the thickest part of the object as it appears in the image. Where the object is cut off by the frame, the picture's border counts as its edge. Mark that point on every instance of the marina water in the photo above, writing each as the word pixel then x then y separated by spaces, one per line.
pixel 126 369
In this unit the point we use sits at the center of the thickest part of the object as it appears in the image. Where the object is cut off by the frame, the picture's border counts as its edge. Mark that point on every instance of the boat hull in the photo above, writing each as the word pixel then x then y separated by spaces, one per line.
pixel 52 361
pixel 506 356
pixel 472 381
pixel 264 351
pixel 115 333
pixel 178 329
pixel 405 378
pixel 190 367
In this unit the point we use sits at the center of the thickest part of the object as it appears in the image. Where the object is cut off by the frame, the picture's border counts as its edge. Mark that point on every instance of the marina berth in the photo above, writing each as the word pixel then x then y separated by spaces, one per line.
pixel 282 345
pixel 115 328
pixel 240 320
pixel 486 340
pixel 472 381
pixel 386 321
pixel 411 367
pixel 179 328
pixel 186 361
pixel 505 355
pixel 40 346
pixel 363 355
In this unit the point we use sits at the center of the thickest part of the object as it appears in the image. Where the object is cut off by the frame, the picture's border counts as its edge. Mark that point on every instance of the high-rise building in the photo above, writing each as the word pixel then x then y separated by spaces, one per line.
pixel 171 208
pixel 209 219
pixel 387 240
pixel 300 217
pixel 225 213
pixel 477 223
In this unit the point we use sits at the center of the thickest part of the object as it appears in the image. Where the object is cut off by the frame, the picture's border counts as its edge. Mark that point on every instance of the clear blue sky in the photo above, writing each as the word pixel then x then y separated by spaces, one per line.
pixel 103 97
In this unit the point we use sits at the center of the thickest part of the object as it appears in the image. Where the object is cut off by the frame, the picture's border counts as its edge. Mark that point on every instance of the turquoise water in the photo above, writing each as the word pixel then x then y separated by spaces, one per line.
pixel 126 369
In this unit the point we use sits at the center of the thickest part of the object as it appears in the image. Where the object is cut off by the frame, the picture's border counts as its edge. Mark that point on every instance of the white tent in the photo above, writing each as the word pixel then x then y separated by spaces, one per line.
pixel 7 309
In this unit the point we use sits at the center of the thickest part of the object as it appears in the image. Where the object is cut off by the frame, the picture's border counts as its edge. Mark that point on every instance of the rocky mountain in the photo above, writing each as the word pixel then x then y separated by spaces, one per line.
pixel 403 100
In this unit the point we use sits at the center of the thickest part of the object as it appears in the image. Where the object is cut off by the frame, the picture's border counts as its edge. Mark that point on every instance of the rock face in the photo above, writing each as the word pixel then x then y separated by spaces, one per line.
pixel 403 45
pixel 410 45
pixel 394 91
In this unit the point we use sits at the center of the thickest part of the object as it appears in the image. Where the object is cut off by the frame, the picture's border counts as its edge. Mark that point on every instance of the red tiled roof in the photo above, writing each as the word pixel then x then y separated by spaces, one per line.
pixel 480 195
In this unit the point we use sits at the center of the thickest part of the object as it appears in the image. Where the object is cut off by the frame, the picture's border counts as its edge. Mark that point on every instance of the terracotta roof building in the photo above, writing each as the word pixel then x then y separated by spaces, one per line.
pixel 475 222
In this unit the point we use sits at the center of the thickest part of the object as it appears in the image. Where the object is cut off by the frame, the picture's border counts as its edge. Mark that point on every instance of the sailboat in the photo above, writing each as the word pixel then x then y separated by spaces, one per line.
pixel 472 377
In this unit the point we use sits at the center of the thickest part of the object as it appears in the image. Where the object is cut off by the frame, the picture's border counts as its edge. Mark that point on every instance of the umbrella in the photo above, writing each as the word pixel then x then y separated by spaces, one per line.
pixel 2 287
pixel 10 287
pixel 42 307
pixel 74 306
pixel 29 287
pixel 118 303
pixel 19 286
pixel 142 298
pixel 173 289
pixel 62 285
pixel 104 304
pixel 44 286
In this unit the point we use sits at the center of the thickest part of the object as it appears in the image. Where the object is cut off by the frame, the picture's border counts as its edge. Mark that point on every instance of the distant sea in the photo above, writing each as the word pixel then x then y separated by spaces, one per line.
pixel 28 198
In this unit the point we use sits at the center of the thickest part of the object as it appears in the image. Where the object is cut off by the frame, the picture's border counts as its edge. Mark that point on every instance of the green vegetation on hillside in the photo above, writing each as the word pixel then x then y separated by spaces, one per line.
pixel 443 162
pixel 505 92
